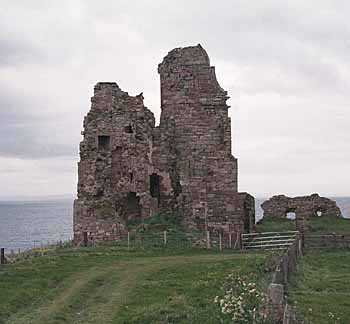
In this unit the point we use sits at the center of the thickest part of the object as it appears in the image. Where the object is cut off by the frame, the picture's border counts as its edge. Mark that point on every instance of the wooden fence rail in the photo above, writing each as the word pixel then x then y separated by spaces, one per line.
pixel 327 241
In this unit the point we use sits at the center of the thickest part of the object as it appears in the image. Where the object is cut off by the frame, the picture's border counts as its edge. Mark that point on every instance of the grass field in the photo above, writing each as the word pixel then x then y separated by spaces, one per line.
pixel 322 286
pixel 320 224
pixel 110 285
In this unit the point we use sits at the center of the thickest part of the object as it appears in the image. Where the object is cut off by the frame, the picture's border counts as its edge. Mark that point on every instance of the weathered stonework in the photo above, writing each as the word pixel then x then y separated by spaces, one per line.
pixel 129 169
pixel 304 207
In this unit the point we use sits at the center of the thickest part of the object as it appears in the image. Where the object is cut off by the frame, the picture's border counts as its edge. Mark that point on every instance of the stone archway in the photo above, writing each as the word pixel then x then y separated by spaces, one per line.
pixel 291 215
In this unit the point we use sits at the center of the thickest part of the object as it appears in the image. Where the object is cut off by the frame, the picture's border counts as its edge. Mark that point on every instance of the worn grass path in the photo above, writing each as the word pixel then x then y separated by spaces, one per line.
pixel 100 293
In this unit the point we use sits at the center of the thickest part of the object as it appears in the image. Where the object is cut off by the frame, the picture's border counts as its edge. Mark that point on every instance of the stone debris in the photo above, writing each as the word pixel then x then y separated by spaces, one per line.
pixel 130 169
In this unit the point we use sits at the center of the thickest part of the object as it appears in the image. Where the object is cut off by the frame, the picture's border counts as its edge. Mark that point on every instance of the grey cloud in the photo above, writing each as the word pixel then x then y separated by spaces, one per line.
pixel 29 133
pixel 15 52
pixel 44 33
pixel 284 64
pixel 301 41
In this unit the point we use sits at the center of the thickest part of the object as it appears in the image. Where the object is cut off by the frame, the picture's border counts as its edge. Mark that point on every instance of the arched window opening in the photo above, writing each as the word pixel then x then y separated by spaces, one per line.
pixel 291 215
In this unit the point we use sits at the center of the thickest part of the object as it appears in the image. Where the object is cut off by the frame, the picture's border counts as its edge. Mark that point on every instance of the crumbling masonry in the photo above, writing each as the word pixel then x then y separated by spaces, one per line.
pixel 304 207
pixel 130 169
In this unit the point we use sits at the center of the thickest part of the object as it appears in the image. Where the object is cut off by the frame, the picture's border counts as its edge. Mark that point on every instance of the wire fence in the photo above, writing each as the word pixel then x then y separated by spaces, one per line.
pixel 170 239
pixel 133 240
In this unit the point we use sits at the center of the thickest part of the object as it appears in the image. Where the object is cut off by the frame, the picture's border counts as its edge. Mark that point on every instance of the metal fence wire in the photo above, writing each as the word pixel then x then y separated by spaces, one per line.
pixel 170 239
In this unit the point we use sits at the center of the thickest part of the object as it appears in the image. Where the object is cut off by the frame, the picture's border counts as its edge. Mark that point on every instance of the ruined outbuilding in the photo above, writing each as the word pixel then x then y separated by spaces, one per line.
pixel 304 207
pixel 130 169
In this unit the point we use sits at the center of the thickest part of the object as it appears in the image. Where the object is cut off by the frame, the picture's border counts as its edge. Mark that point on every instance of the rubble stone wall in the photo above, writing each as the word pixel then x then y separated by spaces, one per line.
pixel 193 101
pixel 129 169
pixel 114 167
pixel 303 207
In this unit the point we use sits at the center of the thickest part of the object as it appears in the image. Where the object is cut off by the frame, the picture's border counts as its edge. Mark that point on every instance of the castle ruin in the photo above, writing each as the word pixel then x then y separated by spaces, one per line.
pixel 130 169
pixel 304 207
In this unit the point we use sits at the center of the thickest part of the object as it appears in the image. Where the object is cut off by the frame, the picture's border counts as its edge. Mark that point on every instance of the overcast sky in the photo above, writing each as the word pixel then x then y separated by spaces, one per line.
pixel 285 64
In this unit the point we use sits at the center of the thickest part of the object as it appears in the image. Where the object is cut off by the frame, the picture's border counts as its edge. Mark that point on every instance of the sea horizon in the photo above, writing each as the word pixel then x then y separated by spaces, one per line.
pixel 25 223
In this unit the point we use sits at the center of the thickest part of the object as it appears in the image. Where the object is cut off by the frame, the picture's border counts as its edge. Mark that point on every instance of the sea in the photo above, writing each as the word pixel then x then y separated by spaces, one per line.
pixel 28 224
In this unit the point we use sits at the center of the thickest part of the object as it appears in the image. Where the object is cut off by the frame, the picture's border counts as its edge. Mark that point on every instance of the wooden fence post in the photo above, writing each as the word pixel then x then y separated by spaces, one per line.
pixel 300 246
pixel 220 242
pixel 208 240
pixel 303 240
pixel 2 256
pixel 239 241
pixel 165 237
pixel 128 241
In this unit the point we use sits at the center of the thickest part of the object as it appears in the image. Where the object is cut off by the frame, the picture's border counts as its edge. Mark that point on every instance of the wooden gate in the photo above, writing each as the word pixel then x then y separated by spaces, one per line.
pixel 269 240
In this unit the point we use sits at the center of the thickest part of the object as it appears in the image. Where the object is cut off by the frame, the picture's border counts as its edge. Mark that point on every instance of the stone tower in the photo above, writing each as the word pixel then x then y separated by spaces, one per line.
pixel 130 169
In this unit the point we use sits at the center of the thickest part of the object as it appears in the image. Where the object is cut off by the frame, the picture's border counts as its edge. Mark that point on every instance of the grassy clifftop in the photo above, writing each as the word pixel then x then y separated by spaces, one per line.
pixel 321 287
pixel 320 224
pixel 112 285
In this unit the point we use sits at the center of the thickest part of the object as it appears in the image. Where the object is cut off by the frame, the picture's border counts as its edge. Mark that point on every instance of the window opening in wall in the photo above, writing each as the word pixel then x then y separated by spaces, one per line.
pixel 319 213
pixel 128 129
pixel 132 207
pixel 103 142
pixel 154 182
pixel 131 176
pixel 291 215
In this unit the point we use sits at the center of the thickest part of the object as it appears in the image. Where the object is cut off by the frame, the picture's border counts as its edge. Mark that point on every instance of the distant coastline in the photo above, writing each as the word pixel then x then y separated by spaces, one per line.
pixel 25 222
pixel 36 198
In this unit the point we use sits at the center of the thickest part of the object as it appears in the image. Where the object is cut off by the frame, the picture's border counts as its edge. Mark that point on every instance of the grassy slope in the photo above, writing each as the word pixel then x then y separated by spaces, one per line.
pixel 108 285
pixel 322 284
pixel 314 225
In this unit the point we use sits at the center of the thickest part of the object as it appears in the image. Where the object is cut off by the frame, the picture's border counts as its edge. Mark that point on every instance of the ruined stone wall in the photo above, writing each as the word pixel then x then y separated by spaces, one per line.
pixel 303 207
pixel 193 101
pixel 115 164
pixel 246 210
pixel 129 169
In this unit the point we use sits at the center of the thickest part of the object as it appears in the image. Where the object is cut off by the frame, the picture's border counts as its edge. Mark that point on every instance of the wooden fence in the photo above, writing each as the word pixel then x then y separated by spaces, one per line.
pixel 137 240
pixel 326 241
pixel 39 248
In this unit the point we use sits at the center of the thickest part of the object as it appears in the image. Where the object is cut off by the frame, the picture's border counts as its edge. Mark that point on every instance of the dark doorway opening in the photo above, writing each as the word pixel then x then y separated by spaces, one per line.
pixel 132 207
pixel 103 142
pixel 154 184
